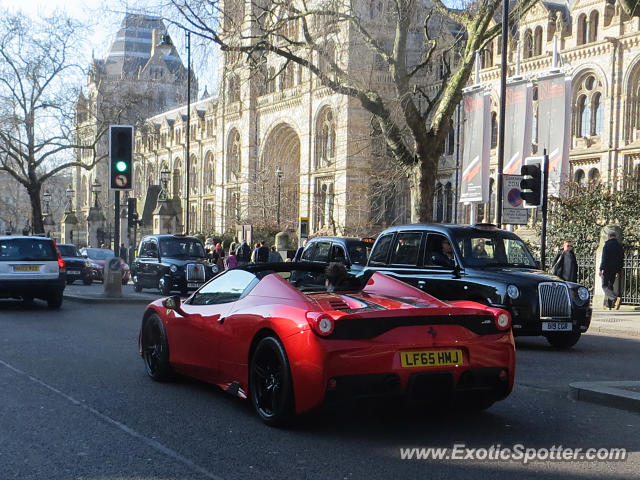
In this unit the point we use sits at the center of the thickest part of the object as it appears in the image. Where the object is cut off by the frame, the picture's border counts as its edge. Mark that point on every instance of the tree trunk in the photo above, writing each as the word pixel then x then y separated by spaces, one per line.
pixel 423 185
pixel 36 208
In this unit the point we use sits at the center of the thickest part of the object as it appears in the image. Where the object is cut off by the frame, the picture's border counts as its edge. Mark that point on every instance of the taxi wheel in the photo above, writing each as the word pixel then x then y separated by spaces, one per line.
pixel 563 340
pixel 270 387
pixel 155 349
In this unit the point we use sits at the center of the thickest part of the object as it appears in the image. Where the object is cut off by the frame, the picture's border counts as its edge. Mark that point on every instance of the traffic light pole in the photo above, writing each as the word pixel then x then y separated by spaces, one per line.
pixel 545 190
pixel 116 223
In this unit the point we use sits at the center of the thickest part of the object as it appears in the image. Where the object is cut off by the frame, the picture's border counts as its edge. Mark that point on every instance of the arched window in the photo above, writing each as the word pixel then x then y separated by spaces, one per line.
pixel 584 110
pixel 438 203
pixel 593 26
pixel 494 129
pixel 234 164
pixel 194 183
pixel 578 177
pixel 594 176
pixel 209 172
pixel 325 139
pixel 537 41
pixel 582 29
pixel 527 50
pixel 598 114
pixel 589 110
pixel 177 179
pixel 448 199
pixel 233 94
pixel 451 140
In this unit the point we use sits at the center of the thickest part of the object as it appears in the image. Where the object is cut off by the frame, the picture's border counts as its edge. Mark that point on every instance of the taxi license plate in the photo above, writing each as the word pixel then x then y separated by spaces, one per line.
pixel 193 285
pixel 26 268
pixel 73 272
pixel 431 358
pixel 556 326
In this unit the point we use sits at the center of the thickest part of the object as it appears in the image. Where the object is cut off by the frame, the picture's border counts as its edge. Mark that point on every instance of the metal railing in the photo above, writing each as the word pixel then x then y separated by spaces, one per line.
pixel 587 265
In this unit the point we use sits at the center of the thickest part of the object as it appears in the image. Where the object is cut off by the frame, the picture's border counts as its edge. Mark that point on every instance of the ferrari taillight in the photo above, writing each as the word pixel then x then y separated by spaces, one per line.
pixel 321 323
pixel 503 320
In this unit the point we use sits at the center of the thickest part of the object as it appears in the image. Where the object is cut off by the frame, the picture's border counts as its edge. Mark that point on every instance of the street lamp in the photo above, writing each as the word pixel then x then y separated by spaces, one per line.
pixel 95 189
pixel 166 46
pixel 278 178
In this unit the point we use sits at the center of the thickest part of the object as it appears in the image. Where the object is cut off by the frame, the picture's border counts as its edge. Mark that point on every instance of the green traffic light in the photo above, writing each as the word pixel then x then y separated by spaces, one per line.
pixel 121 166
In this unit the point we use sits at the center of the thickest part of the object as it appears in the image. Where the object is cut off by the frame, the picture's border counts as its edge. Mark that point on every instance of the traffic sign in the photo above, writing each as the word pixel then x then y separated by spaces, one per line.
pixel 513 211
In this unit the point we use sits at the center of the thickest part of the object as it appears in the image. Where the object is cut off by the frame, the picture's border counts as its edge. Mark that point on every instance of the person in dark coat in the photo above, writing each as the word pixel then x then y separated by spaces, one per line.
pixel 611 269
pixel 565 264
pixel 262 253
pixel 243 253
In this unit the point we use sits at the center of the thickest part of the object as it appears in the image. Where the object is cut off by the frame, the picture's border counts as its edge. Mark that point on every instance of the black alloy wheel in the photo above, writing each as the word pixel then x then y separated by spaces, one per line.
pixel 270 383
pixel 563 340
pixel 155 349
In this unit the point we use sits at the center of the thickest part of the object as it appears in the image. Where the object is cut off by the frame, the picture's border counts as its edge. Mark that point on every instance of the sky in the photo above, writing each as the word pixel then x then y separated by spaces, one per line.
pixel 103 18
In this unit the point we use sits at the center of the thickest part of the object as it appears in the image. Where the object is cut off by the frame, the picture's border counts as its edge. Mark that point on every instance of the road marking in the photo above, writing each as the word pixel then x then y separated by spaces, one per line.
pixel 148 441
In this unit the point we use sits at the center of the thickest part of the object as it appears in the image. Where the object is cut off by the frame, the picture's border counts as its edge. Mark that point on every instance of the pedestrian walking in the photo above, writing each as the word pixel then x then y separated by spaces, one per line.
pixel 611 270
pixel 261 253
pixel 230 261
pixel 274 256
pixel 243 253
pixel 565 264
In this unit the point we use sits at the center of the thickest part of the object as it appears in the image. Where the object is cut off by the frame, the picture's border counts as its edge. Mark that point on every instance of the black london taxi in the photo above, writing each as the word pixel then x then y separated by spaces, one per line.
pixel 485 264
pixel 171 262
pixel 351 251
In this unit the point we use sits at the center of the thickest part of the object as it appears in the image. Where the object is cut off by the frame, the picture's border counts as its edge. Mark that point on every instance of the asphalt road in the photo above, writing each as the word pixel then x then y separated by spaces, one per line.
pixel 75 403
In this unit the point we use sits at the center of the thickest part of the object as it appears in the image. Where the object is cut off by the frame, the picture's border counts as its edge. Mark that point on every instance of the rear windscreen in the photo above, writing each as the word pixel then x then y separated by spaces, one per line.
pixel 27 249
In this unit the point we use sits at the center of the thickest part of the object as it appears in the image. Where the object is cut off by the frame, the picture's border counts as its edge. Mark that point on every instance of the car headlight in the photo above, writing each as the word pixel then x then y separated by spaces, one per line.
pixel 583 294
pixel 95 265
pixel 214 268
pixel 88 264
pixel 513 292
pixel 173 269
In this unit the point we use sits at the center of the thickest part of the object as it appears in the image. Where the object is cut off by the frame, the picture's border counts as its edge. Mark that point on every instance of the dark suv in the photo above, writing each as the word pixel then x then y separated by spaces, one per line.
pixel 350 251
pixel 78 267
pixel 487 265
pixel 171 262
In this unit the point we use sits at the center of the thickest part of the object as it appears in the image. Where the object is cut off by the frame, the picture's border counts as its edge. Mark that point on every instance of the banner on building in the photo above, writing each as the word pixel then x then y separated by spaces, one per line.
pixel 554 127
pixel 474 185
pixel 517 132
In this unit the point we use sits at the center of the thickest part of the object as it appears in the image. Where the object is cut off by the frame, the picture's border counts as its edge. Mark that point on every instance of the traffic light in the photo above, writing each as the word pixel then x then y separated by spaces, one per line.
pixel 121 157
pixel 531 185
pixel 132 212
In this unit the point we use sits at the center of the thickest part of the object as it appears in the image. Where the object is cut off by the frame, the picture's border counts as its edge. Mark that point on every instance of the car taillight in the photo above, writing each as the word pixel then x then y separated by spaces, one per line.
pixel 61 264
pixel 321 323
pixel 503 320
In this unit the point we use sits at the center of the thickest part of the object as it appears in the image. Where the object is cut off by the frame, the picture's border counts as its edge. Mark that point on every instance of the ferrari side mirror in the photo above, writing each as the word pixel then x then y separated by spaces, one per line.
pixel 173 303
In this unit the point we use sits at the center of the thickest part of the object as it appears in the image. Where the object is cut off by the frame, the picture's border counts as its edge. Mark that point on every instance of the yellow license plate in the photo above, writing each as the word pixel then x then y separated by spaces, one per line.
pixel 431 358
pixel 26 268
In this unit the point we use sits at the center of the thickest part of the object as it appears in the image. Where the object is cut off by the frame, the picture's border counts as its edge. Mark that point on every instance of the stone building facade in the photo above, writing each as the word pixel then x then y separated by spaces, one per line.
pixel 134 81
pixel 286 133
pixel 599 49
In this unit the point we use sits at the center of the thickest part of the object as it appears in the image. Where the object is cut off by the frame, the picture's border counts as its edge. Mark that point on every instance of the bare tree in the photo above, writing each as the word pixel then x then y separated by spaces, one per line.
pixel 300 31
pixel 37 128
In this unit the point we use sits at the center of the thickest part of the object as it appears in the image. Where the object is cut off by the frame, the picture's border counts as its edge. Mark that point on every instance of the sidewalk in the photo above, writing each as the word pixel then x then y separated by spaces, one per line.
pixel 94 293
pixel 625 321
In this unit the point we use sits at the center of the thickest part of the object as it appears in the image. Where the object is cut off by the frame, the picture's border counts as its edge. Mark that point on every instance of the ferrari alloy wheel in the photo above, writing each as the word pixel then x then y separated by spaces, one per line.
pixel 270 382
pixel 563 340
pixel 164 287
pixel 155 349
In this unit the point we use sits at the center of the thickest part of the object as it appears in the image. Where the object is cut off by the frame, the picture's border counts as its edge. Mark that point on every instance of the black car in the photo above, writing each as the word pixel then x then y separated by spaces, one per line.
pixel 78 267
pixel 488 265
pixel 350 251
pixel 171 262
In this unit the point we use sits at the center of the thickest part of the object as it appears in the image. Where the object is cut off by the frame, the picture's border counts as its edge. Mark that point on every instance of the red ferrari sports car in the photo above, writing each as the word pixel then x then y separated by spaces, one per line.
pixel 277 335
